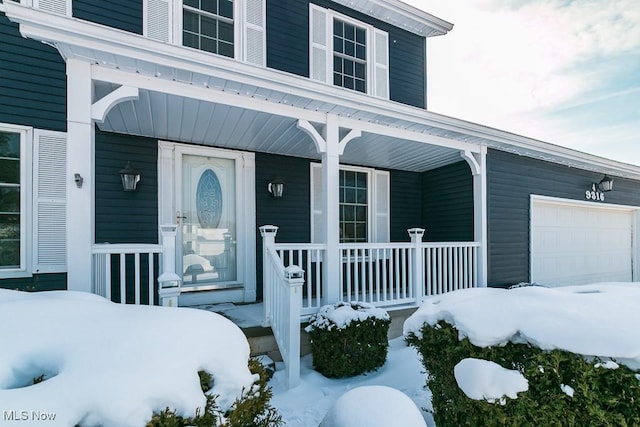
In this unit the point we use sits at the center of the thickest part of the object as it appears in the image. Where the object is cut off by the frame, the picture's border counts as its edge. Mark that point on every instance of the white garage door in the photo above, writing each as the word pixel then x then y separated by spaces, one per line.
pixel 580 243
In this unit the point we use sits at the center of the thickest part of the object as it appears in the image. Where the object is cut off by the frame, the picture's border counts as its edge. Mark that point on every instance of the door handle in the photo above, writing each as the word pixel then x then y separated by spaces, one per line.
pixel 179 218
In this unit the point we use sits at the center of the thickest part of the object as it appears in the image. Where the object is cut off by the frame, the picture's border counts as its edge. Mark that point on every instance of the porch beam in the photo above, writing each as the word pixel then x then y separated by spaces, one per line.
pixel 101 108
pixel 202 93
pixel 80 160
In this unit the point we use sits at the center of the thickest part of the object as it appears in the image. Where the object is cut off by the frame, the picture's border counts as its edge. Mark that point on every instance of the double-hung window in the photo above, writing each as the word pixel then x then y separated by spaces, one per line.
pixel 348 53
pixel 364 204
pixel 230 28
pixel 208 25
pixel 12 200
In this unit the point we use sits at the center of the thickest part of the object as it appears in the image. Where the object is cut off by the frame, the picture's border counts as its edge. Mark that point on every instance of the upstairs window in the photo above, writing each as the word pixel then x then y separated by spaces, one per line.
pixel 349 56
pixel 231 28
pixel 208 25
pixel 348 53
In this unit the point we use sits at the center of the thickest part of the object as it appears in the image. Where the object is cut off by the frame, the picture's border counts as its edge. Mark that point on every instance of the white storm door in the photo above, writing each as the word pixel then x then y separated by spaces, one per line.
pixel 207 214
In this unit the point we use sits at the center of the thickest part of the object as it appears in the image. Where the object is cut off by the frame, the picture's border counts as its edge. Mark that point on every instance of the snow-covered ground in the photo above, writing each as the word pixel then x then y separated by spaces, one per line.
pixel 111 364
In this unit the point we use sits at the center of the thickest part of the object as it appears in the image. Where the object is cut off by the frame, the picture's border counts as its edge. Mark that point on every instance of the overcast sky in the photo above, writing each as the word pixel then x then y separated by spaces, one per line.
pixel 562 71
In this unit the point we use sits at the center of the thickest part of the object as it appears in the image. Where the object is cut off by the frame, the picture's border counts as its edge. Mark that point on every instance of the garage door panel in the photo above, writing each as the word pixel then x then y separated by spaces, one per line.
pixel 575 244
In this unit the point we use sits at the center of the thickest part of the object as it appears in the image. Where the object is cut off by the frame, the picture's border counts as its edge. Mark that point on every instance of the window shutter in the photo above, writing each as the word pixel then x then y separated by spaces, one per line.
pixel 381 207
pixel 157 20
pixel 317 236
pixel 319 44
pixel 381 64
pixel 255 35
pixel 49 202
pixel 60 7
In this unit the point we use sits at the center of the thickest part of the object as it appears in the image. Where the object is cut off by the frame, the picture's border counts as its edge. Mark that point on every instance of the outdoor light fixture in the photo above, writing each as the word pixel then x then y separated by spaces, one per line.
pixel 130 177
pixel 78 179
pixel 276 187
pixel 606 184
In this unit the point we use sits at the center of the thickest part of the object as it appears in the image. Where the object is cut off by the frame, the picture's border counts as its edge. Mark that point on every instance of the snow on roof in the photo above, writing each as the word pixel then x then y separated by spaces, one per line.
pixel 112 364
pixel 592 320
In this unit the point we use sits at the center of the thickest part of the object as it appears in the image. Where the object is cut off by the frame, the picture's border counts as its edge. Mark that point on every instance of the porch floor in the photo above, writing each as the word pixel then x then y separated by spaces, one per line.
pixel 244 316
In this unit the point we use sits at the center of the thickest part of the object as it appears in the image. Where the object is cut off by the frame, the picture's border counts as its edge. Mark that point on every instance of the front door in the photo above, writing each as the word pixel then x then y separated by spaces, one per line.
pixel 210 194
pixel 208 222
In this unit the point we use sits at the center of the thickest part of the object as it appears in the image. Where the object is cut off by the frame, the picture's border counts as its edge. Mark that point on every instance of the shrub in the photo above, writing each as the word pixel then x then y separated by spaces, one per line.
pixel 252 409
pixel 348 339
pixel 602 397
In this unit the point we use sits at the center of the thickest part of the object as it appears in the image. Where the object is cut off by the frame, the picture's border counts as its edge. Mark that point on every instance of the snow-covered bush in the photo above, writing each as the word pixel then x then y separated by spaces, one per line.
pixel 348 339
pixel 250 409
pixel 531 356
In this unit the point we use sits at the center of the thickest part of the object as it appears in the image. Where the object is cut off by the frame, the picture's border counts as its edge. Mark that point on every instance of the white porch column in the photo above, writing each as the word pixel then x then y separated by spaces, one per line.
pixel 331 208
pixel 80 160
pixel 418 263
pixel 478 164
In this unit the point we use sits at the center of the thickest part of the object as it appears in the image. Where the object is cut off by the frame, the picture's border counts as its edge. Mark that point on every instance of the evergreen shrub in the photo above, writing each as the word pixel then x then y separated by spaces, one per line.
pixel 348 339
pixel 602 397
pixel 252 409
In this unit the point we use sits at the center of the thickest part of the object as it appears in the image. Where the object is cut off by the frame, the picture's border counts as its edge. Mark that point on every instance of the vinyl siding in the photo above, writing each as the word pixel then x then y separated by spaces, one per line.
pixel 406 204
pixel 32 81
pixel 288 47
pixel 292 212
pixel 122 14
pixel 39 282
pixel 126 217
pixel 512 179
pixel 448 203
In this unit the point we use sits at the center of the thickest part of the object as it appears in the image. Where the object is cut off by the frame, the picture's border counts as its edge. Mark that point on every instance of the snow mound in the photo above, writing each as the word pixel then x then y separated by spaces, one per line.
pixel 110 364
pixel 573 318
pixel 486 380
pixel 373 406
pixel 341 315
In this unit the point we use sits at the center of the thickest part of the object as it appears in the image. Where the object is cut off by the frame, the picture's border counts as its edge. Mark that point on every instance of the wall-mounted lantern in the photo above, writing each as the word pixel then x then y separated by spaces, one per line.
pixel 276 187
pixel 130 177
pixel 605 184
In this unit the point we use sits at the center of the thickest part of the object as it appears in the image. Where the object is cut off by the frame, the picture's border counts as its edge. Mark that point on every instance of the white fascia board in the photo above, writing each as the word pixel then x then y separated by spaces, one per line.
pixel 402 15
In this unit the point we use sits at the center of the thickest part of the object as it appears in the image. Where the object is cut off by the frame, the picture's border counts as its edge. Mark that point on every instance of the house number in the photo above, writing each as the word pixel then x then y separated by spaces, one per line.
pixel 594 195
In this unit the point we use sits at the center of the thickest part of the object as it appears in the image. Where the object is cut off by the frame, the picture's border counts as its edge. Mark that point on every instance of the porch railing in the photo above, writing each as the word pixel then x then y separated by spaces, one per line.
pixel 283 301
pixel 129 268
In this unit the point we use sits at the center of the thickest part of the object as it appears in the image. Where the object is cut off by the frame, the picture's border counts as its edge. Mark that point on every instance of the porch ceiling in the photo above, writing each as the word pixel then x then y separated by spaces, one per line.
pixel 184 119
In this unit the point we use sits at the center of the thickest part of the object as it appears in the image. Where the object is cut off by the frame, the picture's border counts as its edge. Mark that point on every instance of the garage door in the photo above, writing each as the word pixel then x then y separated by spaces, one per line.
pixel 580 243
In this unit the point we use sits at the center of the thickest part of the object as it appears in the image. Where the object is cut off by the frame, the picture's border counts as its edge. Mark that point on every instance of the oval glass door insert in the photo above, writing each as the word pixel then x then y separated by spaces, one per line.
pixel 209 200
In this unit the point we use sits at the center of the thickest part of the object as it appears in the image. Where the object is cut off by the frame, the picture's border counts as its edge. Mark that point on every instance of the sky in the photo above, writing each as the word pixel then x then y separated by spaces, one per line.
pixel 565 72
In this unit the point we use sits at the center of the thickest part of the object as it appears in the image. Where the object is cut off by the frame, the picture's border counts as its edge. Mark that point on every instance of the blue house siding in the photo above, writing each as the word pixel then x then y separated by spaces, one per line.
pixel 292 212
pixel 32 81
pixel 288 47
pixel 512 179
pixel 126 217
pixel 406 204
pixel 448 203
pixel 39 282
pixel 122 14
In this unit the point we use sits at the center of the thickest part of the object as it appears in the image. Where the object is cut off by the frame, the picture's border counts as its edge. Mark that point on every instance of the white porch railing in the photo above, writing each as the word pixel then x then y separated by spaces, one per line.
pixel 382 274
pixel 282 302
pixel 132 266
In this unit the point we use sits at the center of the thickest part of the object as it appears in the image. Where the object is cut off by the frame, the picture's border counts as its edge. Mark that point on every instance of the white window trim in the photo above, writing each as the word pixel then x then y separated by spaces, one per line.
pixel 26 184
pixel 372 62
pixel 372 216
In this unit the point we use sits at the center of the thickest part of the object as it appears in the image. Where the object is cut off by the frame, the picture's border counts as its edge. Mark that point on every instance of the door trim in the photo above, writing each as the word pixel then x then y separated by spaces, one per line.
pixel 169 167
